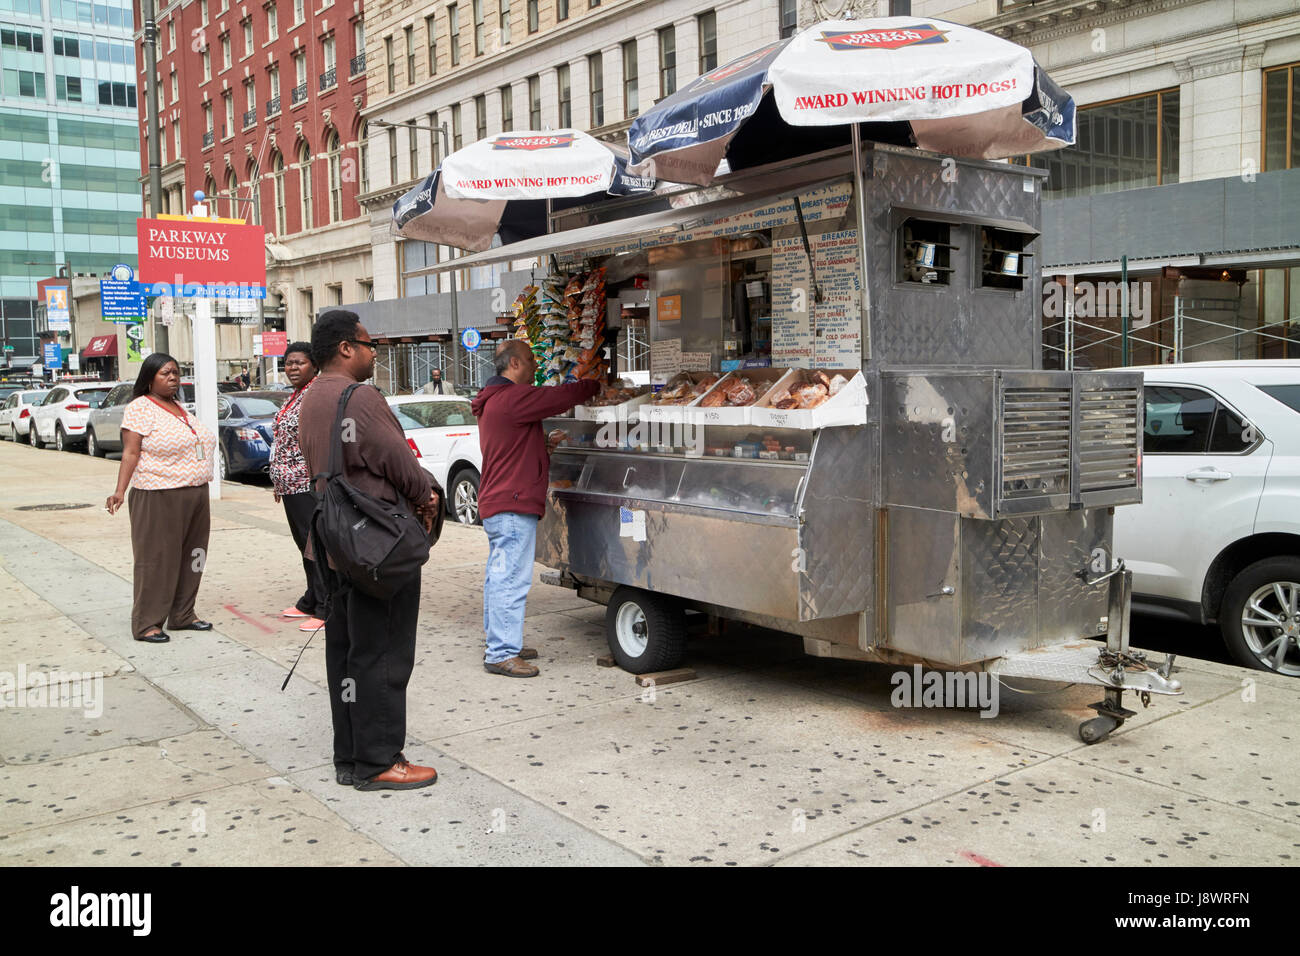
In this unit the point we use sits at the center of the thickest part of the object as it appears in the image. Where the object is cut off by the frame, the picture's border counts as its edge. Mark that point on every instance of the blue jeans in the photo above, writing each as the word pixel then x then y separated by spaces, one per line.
pixel 512 545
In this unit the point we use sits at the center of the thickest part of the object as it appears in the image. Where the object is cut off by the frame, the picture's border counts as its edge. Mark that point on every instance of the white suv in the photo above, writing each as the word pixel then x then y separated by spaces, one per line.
pixel 60 418
pixel 1217 536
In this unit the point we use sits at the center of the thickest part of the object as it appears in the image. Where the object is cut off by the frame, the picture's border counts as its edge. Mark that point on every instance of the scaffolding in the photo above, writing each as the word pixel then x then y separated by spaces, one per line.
pixel 1183 336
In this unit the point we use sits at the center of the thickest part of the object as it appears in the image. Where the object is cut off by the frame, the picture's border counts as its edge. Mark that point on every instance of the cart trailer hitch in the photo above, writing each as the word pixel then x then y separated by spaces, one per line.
pixel 1118 668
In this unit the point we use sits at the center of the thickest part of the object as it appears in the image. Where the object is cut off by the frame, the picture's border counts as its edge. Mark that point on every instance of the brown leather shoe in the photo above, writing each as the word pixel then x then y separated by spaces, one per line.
pixel 511 667
pixel 400 776
pixel 528 653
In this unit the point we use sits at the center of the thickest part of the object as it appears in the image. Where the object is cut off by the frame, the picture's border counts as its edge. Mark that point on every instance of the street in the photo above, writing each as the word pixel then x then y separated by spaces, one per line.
pixel 766 757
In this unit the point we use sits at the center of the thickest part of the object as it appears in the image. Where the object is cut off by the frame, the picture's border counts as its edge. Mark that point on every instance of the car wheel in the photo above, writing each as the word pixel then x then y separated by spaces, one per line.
pixel 60 438
pixel 464 497
pixel 646 632
pixel 1260 617
pixel 93 448
pixel 33 436
pixel 223 466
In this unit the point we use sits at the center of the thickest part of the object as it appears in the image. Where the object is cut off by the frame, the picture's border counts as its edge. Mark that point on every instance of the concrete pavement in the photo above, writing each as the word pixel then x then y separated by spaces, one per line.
pixel 767 757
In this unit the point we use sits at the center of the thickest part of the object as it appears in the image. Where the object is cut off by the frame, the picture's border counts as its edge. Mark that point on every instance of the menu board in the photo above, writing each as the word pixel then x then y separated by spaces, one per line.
pixel 665 360
pixel 807 333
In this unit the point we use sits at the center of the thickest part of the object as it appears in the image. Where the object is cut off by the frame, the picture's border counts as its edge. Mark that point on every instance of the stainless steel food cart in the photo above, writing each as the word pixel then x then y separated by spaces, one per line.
pixel 964 523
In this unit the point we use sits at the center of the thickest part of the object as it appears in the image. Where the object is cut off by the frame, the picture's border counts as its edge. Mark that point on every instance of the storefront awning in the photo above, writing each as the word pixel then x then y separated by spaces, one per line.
pixel 101 346
pixel 651 229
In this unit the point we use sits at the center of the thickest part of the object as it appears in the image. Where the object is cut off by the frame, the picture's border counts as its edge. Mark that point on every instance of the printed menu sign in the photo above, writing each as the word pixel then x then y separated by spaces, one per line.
pixel 807 333
pixel 665 360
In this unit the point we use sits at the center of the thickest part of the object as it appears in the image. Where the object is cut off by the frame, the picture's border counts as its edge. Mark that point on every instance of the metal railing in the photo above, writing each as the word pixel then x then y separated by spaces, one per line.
pixel 208 138
pixel 250 118
pixel 273 106
pixel 357 65
pixel 299 94
pixel 328 79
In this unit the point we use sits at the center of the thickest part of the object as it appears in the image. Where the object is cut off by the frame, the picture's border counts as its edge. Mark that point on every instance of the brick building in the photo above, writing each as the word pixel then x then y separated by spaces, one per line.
pixel 259 107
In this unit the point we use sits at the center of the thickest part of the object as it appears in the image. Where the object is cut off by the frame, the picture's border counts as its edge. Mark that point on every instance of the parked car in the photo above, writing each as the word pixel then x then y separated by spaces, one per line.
pixel 60 418
pixel 16 412
pixel 245 430
pixel 1217 536
pixel 443 433
pixel 104 427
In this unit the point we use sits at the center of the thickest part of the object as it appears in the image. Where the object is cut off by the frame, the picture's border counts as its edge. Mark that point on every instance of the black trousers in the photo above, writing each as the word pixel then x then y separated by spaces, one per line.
pixel 369 655
pixel 298 509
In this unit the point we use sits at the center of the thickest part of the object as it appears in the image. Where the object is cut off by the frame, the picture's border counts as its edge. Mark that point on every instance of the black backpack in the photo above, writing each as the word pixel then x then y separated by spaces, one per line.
pixel 376 546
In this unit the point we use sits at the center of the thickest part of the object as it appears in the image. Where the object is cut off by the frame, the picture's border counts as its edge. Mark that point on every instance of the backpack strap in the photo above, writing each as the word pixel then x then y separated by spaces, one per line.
pixel 336 446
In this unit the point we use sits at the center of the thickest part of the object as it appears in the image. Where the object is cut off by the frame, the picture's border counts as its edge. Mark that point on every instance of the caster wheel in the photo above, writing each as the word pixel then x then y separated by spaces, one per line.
pixel 1098 729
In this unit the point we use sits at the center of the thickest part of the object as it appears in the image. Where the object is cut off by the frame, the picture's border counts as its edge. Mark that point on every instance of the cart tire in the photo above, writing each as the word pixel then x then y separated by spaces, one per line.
pixel 646 632
pixel 1098 729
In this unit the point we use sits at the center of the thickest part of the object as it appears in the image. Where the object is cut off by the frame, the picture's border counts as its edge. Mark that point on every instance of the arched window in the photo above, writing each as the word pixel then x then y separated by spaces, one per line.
pixel 334 154
pixel 232 188
pixel 255 186
pixel 210 195
pixel 304 172
pixel 277 178
pixel 365 157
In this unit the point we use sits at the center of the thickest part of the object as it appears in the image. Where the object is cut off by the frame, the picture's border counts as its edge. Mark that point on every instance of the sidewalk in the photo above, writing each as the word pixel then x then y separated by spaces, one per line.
pixel 768 757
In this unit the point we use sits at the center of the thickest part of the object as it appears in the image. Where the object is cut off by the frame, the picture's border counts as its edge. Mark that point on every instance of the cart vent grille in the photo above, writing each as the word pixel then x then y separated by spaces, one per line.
pixel 1108 450
pixel 1035 442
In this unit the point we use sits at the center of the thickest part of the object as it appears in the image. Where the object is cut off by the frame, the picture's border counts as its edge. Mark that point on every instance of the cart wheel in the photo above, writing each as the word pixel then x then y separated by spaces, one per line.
pixel 646 632
pixel 1098 729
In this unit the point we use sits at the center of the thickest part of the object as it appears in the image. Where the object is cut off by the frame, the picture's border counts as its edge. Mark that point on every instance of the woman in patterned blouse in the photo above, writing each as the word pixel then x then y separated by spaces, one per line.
pixel 167 462
pixel 291 480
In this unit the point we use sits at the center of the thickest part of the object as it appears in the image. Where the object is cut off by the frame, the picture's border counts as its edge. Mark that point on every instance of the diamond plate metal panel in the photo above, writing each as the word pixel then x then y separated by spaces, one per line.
pixel 999 572
pixel 1072 542
pixel 839 531
pixel 960 323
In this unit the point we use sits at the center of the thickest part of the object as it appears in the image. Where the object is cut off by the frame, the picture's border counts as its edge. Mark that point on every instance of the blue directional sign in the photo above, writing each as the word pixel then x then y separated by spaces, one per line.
pixel 120 298
pixel 53 355
pixel 471 339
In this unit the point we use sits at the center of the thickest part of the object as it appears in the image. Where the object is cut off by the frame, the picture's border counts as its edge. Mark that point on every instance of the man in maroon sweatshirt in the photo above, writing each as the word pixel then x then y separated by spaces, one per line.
pixel 512 493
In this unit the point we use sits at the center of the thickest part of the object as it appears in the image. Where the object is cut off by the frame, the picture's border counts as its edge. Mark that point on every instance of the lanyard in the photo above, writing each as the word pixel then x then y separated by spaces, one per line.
pixel 198 442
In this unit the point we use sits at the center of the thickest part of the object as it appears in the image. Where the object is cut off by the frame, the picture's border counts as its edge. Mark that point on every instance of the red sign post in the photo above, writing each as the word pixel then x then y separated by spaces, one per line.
pixel 274 343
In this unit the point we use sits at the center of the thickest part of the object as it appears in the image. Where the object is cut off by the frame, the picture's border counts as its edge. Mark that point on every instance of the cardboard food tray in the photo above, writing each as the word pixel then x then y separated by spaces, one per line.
pixel 846 407
pixel 626 411
pixel 668 413
pixel 697 415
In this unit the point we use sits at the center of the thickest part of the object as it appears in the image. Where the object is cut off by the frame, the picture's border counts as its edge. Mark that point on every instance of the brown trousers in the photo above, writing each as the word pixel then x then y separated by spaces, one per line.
pixel 169 539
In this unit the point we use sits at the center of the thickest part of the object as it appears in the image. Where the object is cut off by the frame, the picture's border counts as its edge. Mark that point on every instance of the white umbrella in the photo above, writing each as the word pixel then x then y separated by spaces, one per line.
pixel 901 80
pixel 510 176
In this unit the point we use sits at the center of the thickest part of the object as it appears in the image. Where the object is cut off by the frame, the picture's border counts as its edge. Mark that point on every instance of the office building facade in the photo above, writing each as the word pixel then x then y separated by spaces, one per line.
pixel 259 109
pixel 69 196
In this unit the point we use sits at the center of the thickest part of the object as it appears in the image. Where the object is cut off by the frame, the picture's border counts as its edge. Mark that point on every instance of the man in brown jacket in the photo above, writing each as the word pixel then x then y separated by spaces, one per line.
pixel 369 642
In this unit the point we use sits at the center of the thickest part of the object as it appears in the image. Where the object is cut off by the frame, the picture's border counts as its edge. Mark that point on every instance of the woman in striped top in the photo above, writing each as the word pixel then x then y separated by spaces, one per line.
pixel 167 464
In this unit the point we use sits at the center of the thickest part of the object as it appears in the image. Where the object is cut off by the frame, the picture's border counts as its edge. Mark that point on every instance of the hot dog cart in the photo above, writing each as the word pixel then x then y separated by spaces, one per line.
pixel 952 502
pixel 953 506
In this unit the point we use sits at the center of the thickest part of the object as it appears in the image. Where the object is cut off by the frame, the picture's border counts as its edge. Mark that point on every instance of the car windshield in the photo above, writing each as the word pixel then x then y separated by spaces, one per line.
pixel 93 395
pixel 1288 395
pixel 258 407
pixel 33 397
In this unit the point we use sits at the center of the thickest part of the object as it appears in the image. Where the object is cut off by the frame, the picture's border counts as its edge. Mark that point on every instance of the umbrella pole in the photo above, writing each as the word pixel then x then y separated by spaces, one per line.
pixel 858 192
